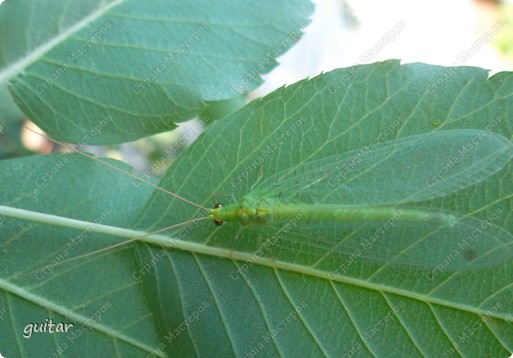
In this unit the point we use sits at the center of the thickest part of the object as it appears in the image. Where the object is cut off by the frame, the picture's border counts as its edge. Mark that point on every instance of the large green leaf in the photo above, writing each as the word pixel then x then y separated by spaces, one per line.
pixel 132 68
pixel 334 113
pixel 210 292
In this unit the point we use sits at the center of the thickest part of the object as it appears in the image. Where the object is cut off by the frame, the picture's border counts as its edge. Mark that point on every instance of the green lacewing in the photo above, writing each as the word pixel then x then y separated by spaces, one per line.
pixel 347 200
pixel 374 203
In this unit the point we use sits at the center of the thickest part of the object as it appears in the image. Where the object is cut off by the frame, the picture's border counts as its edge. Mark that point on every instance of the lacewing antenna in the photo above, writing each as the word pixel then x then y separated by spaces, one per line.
pixel 71 259
pixel 135 177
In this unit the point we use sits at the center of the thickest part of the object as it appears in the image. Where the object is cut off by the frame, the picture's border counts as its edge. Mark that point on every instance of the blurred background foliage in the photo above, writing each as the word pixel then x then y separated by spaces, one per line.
pixel 504 41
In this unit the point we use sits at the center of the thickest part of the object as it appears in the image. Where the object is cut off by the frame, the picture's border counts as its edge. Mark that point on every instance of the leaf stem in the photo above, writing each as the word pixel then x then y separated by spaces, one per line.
pixel 201 248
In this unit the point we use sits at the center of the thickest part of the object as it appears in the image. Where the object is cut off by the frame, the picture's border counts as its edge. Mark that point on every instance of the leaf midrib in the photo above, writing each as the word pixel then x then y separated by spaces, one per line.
pixel 21 64
pixel 171 243
pixel 42 302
